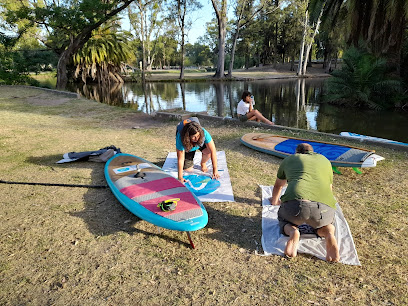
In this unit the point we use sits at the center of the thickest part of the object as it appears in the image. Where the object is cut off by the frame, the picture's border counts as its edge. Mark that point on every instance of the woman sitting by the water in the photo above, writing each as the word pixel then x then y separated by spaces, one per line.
pixel 246 111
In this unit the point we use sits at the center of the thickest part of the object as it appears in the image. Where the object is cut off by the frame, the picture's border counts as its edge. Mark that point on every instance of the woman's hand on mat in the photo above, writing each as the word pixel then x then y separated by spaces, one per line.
pixel 182 180
pixel 271 200
pixel 215 175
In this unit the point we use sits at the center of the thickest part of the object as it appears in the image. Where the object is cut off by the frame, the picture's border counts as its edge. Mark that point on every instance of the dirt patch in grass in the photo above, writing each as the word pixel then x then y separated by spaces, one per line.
pixel 44 99
pixel 76 246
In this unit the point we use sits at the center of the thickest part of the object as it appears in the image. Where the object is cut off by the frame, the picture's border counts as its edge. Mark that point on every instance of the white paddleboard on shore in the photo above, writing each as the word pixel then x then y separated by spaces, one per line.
pixel 355 135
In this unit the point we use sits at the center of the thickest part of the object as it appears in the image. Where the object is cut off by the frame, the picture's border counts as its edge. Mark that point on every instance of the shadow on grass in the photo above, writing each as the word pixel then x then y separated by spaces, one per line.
pixel 104 215
pixel 242 231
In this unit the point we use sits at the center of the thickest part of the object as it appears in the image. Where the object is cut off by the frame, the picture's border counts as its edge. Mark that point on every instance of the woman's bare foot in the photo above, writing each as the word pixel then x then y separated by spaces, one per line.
pixel 293 242
pixel 204 168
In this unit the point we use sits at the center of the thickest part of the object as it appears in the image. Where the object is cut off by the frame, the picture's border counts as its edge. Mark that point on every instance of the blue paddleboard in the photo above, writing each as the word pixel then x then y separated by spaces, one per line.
pixel 339 155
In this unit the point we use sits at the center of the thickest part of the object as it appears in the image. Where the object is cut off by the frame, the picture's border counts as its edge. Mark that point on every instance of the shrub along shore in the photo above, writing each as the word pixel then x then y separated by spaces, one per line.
pixel 65 245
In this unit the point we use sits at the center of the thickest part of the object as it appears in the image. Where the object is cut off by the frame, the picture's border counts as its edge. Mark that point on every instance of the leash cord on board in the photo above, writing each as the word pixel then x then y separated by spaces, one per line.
pixel 53 184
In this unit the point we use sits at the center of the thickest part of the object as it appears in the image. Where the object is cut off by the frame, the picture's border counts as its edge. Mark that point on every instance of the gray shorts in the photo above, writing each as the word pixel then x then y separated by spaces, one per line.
pixel 243 118
pixel 298 212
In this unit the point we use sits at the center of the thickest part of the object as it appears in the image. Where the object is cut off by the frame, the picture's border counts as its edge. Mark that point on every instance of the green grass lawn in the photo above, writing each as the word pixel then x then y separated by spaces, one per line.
pixel 79 246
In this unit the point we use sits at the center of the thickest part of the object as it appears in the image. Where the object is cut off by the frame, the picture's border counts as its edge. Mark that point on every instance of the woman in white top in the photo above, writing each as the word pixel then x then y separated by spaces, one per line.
pixel 246 111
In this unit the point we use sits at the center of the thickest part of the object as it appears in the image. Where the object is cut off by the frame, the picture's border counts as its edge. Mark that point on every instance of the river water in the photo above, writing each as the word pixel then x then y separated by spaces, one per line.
pixel 289 102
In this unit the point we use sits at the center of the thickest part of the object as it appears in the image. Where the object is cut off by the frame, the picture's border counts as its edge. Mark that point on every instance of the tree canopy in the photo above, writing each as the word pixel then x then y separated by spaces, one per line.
pixel 259 32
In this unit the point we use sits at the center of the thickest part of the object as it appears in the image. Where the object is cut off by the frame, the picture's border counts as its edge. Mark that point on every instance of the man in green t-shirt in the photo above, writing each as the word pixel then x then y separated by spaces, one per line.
pixel 307 199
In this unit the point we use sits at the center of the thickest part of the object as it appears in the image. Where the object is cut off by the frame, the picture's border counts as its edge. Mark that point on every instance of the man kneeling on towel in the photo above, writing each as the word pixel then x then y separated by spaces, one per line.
pixel 307 199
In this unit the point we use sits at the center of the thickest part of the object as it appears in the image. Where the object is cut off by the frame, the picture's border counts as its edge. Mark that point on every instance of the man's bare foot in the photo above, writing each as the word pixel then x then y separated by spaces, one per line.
pixel 332 250
pixel 204 168
pixel 189 169
pixel 293 242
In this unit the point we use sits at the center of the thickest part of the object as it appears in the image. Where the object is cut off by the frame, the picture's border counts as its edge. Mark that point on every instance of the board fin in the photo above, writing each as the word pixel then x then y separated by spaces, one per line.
pixel 356 170
pixel 190 240
pixel 336 170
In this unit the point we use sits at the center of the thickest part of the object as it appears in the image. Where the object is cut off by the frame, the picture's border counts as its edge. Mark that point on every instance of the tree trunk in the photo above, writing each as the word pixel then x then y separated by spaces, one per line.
pixel 292 63
pixel 142 35
pixel 327 62
pixel 182 60
pixel 62 78
pixel 74 45
pixel 182 10
pixel 221 48
pixel 234 45
pixel 221 14
pixel 302 46
pixel 306 58
pixel 143 62
pixel 182 54
pixel 309 46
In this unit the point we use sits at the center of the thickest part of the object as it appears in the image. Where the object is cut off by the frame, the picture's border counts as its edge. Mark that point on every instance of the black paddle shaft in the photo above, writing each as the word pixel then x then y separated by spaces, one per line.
pixel 53 184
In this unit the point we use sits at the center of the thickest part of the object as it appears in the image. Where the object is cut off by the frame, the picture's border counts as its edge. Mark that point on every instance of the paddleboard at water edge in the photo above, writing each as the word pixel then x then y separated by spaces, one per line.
pixel 359 136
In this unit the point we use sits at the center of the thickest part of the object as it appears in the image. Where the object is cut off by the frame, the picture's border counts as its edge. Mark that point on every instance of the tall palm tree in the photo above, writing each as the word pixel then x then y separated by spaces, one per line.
pixel 103 56
pixel 363 81
pixel 379 23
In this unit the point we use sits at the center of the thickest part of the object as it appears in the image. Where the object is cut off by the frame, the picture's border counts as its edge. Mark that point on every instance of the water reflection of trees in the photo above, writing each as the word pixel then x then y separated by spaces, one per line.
pixel 294 103
pixel 281 102
pixel 112 94
pixel 219 97
pixel 286 102
pixel 386 124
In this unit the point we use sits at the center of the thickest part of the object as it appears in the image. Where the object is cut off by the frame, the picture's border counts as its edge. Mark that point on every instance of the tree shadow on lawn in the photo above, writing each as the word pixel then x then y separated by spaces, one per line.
pixel 104 215
pixel 242 231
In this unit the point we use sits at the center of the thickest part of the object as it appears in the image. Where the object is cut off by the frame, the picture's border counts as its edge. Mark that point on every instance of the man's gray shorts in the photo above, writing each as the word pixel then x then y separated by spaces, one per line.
pixel 298 212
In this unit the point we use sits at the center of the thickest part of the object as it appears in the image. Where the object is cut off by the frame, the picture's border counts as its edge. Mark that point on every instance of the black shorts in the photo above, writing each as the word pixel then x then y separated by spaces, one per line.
pixel 298 212
pixel 189 157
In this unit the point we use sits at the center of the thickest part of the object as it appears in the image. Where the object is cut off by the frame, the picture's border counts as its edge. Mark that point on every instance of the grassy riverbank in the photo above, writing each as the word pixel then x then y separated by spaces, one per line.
pixel 282 71
pixel 78 246
pixel 279 71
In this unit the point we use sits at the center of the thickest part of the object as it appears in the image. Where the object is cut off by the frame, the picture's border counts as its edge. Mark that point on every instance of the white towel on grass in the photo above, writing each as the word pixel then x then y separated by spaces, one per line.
pixel 273 242
pixel 223 193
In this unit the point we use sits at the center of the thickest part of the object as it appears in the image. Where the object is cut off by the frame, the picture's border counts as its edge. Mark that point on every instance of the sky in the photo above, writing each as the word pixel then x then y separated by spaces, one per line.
pixel 199 17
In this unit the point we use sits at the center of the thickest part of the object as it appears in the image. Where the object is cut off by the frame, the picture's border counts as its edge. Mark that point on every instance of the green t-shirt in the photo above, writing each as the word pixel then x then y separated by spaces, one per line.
pixel 309 177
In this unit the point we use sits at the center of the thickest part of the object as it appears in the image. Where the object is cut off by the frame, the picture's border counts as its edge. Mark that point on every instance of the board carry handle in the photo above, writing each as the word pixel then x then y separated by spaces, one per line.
pixel 139 174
